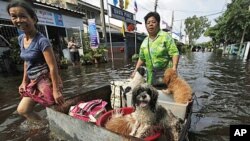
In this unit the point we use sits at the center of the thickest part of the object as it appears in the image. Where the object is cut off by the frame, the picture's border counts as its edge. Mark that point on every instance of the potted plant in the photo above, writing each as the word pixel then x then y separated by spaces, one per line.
pixel 87 58
pixel 100 54
pixel 94 55
pixel 63 63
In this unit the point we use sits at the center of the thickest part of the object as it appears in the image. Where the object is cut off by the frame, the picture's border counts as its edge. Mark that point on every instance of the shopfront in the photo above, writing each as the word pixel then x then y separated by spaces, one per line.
pixel 55 23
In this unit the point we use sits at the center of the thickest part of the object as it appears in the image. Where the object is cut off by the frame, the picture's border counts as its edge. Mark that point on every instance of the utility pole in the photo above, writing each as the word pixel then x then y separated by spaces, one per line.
pixel 156 4
pixel 172 23
pixel 103 23
pixel 180 32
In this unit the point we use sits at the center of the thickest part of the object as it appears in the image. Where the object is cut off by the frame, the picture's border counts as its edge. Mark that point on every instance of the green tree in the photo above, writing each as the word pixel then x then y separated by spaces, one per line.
pixel 218 32
pixel 195 27
pixel 233 25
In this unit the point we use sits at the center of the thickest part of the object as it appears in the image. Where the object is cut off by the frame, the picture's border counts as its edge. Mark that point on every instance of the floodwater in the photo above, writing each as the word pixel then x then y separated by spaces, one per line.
pixel 221 85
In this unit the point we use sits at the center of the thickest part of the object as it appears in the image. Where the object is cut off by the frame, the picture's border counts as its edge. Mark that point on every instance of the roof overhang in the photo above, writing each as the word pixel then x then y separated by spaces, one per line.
pixel 55 7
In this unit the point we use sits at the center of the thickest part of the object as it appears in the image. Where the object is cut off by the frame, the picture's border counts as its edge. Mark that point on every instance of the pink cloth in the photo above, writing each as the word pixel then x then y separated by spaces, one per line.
pixel 40 91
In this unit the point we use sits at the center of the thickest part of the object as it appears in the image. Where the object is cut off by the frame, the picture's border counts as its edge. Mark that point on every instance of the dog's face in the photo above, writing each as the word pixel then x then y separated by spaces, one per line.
pixel 141 71
pixel 144 96
pixel 169 75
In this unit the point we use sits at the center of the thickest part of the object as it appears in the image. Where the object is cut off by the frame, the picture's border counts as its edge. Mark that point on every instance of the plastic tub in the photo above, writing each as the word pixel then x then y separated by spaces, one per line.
pixel 126 110
pixel 103 118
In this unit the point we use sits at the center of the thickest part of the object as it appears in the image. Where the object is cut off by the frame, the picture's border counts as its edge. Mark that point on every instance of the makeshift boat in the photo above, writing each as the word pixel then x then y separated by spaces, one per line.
pixel 66 127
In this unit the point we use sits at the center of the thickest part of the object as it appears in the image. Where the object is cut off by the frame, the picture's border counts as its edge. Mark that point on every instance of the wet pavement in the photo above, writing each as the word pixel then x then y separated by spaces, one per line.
pixel 221 85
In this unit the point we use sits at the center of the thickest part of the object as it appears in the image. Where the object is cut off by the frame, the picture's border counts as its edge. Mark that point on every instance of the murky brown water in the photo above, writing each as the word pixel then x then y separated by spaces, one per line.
pixel 221 85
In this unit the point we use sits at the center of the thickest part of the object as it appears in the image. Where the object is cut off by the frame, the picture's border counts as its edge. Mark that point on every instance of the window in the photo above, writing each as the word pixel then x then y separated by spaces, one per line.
pixel 92 15
pixel 88 15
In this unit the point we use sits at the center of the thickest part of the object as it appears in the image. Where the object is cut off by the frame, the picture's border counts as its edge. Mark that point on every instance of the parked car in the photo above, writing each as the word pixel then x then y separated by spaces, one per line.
pixel 6 63
pixel 4 45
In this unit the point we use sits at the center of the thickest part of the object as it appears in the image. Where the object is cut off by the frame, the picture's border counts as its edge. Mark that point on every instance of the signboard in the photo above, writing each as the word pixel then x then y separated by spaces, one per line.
pixel 93 33
pixel 122 15
pixel 70 22
pixel 49 18
pixel 58 19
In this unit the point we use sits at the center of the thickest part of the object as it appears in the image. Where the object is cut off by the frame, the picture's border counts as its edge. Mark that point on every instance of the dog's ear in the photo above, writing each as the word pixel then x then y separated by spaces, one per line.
pixel 154 97
pixel 141 70
pixel 166 77
pixel 169 75
pixel 127 89
pixel 134 95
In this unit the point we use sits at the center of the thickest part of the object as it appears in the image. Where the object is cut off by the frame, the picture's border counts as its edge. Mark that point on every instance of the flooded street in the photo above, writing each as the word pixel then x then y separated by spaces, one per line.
pixel 221 86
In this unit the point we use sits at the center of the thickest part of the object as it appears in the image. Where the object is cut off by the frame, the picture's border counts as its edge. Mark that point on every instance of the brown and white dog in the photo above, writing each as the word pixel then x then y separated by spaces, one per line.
pixel 147 117
pixel 181 90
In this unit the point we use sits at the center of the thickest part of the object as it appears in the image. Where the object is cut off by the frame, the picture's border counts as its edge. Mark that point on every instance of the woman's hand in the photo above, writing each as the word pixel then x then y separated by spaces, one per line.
pixel 133 74
pixel 74 45
pixel 174 68
pixel 59 99
pixel 51 62
pixel 22 88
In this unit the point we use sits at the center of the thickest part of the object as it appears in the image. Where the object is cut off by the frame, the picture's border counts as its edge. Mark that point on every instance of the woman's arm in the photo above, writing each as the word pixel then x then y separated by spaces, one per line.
pixel 175 60
pixel 51 61
pixel 25 81
pixel 173 51
pixel 25 76
pixel 138 64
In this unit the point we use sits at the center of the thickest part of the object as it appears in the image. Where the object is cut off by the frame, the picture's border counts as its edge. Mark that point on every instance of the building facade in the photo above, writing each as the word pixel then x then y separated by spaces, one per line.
pixel 61 19
pixel 56 23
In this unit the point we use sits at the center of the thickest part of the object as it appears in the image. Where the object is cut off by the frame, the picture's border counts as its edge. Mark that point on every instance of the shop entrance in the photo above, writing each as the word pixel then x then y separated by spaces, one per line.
pixel 57 36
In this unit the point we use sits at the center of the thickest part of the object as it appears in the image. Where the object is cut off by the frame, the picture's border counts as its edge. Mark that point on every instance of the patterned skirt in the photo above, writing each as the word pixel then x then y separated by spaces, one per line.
pixel 40 90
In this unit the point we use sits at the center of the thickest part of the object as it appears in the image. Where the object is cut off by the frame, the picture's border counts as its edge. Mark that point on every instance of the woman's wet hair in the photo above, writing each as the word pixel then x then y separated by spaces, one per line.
pixel 27 6
pixel 153 14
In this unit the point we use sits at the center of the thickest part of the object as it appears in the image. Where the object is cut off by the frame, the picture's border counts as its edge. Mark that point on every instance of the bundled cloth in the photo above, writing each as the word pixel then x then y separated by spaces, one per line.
pixel 88 111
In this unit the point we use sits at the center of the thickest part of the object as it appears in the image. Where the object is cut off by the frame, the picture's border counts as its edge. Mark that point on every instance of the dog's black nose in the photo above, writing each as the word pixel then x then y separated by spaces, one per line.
pixel 144 96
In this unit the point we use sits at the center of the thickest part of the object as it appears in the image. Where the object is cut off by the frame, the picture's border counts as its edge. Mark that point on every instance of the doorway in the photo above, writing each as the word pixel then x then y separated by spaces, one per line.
pixel 57 39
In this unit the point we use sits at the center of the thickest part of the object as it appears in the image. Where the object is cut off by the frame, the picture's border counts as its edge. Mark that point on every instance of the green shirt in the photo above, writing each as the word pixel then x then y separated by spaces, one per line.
pixel 162 49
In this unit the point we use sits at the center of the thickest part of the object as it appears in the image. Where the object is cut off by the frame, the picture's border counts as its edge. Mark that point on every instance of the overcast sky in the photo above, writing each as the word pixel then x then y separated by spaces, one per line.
pixel 182 9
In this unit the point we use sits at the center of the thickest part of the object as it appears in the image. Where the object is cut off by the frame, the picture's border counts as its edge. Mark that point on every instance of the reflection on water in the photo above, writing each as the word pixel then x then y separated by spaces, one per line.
pixel 221 85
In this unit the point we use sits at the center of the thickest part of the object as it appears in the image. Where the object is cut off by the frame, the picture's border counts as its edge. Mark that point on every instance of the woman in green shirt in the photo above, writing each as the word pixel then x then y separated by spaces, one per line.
pixel 163 51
